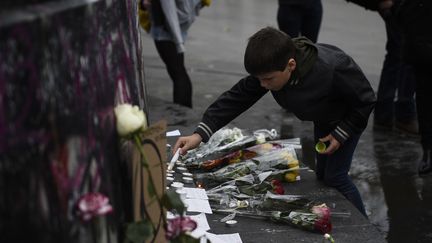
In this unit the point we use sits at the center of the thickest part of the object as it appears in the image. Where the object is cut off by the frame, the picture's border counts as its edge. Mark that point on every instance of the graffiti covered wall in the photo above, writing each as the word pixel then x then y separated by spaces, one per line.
pixel 64 65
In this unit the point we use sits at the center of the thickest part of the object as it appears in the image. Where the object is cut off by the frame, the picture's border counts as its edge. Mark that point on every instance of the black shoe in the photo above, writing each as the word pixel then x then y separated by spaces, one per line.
pixel 425 165
pixel 408 127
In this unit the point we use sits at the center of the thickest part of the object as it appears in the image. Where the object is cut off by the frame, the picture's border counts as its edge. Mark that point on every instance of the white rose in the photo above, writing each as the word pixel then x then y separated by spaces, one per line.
pixel 129 119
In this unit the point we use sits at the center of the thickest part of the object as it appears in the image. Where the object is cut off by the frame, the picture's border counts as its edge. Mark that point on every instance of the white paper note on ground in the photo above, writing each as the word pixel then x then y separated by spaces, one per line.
pixel 202 225
pixel 173 133
pixel 198 205
pixel 197 193
pixel 201 220
pixel 224 238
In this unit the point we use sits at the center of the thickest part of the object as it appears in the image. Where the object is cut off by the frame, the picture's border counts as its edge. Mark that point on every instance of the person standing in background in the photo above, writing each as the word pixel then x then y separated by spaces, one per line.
pixel 300 18
pixel 169 23
pixel 415 18
pixel 397 76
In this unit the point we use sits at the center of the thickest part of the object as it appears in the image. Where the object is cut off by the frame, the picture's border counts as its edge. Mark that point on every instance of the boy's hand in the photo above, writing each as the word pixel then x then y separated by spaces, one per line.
pixel 187 143
pixel 334 144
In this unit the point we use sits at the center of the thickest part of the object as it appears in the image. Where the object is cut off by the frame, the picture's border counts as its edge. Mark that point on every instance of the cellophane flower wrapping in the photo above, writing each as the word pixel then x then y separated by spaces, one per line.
pixel 304 219
pixel 227 140
pixel 295 210
pixel 280 162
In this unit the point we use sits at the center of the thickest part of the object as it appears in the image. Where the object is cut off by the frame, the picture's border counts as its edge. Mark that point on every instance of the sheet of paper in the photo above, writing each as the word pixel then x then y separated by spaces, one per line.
pixel 173 133
pixel 224 238
pixel 201 220
pixel 198 234
pixel 198 205
pixel 197 193
pixel 202 225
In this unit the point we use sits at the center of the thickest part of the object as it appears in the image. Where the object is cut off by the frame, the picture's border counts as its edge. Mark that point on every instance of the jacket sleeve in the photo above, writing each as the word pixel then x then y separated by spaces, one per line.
pixel 230 105
pixel 355 89
pixel 169 9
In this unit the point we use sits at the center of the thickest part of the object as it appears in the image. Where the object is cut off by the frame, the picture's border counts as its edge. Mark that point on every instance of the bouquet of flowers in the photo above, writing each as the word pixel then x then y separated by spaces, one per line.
pixel 316 219
pixel 237 156
pixel 269 202
pixel 281 165
pixel 243 155
pixel 291 209
pixel 227 140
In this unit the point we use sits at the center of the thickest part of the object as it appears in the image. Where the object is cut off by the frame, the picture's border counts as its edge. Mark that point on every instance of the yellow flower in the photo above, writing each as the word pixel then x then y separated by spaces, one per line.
pixel 206 2
pixel 291 176
pixel 293 163
pixel 129 119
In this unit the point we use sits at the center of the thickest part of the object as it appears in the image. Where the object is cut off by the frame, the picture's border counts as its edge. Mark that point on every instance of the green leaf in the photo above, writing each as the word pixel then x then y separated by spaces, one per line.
pixel 171 200
pixel 140 231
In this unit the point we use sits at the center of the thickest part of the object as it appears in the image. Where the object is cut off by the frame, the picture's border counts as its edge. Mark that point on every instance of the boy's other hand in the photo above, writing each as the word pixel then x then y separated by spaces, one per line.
pixel 187 143
pixel 334 144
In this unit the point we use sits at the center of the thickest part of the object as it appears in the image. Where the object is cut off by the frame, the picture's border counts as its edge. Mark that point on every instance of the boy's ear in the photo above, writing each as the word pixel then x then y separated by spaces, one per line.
pixel 292 64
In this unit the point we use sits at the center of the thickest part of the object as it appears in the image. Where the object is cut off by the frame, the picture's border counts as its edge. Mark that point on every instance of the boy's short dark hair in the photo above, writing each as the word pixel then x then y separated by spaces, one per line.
pixel 268 50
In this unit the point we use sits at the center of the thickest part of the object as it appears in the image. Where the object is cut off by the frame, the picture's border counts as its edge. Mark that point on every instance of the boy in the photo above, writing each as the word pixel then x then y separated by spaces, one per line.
pixel 317 82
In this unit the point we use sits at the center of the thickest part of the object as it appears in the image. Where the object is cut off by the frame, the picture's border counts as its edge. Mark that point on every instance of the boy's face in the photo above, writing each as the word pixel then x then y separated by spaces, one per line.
pixel 275 80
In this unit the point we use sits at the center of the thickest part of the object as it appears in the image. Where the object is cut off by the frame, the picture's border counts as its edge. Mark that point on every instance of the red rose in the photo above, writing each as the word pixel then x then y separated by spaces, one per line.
pixel 322 211
pixel 279 190
pixel 275 183
pixel 323 225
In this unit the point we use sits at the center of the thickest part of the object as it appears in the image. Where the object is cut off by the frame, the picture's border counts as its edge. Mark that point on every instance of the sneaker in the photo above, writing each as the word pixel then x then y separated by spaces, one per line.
pixel 408 127
pixel 425 166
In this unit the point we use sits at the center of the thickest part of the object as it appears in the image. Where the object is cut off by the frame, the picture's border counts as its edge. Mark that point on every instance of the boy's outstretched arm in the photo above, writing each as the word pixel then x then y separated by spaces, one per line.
pixel 227 107
pixel 187 143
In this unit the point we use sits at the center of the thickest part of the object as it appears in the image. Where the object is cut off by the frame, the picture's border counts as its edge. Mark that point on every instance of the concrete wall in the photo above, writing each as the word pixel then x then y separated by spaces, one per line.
pixel 63 67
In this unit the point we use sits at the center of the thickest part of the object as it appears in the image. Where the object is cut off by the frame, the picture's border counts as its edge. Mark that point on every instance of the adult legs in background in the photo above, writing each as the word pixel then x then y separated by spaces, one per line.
pixel 424 101
pixel 289 19
pixel 301 19
pixel 396 76
pixel 174 63
pixel 333 169
pixel 311 20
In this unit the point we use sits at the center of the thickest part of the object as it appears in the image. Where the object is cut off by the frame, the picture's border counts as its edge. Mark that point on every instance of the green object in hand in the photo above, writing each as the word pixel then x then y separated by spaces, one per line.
pixel 320 147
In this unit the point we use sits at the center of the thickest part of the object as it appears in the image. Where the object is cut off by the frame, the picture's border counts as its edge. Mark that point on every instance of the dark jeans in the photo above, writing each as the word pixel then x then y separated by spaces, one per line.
pixel 424 101
pixel 174 63
pixel 301 19
pixel 396 76
pixel 333 169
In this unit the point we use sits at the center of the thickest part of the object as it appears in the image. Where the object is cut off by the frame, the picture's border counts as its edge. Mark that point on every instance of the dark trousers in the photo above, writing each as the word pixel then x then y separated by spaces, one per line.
pixel 303 19
pixel 396 77
pixel 424 104
pixel 333 169
pixel 174 63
